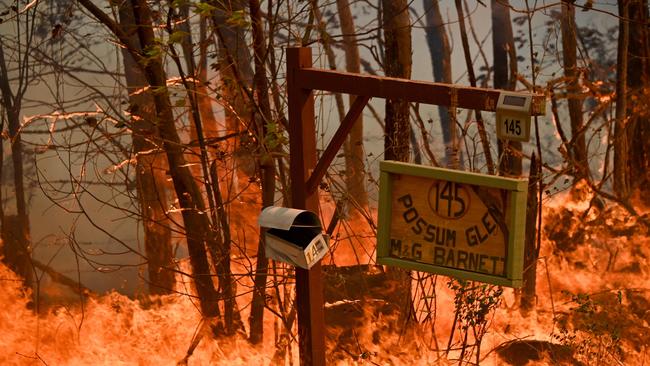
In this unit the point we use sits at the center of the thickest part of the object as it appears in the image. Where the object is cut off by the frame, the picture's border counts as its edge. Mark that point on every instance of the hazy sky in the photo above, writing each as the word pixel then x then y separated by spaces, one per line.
pixel 52 226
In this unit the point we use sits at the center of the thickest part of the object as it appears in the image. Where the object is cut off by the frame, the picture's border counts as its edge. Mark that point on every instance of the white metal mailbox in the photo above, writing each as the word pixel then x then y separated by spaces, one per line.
pixel 293 236
pixel 513 116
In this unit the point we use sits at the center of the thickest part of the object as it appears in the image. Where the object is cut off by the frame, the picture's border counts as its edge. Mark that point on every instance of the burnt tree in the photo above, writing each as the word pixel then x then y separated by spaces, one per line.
pixel 505 69
pixel 150 167
pixel 354 156
pixel 190 200
pixel 578 148
pixel 266 165
pixel 15 228
pixel 621 148
pixel 638 82
pixel 397 63
pixel 440 52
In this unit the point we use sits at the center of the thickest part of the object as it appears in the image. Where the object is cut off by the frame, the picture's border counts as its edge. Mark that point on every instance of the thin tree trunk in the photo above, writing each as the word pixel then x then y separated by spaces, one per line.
pixel 398 63
pixel 219 244
pixel 325 40
pixel 190 201
pixel 638 80
pixel 236 73
pixel 267 165
pixel 354 156
pixel 528 294
pixel 150 169
pixel 505 66
pixel 472 81
pixel 579 147
pixel 621 153
pixel 197 225
pixel 193 154
pixel 3 225
pixel 198 160
pixel 198 70
pixel 15 234
pixel 440 52
pixel 234 59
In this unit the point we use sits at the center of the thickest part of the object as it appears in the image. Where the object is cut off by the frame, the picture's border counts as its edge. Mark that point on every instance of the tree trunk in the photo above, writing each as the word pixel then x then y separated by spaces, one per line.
pixel 638 80
pixel 397 63
pixel 578 152
pixel 505 67
pixel 15 230
pixel 354 156
pixel 621 149
pixel 198 70
pixel 197 225
pixel 236 73
pixel 440 52
pixel 234 56
pixel 150 169
pixel 267 165
pixel 472 81
pixel 528 294
pixel 197 94
pixel 219 246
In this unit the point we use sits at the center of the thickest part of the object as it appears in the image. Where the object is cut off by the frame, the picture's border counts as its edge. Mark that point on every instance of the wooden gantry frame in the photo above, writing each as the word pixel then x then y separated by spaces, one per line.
pixel 307 170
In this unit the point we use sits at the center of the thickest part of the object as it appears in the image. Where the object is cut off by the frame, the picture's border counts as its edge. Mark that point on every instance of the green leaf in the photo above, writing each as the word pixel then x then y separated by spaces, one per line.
pixel 238 19
pixel 178 3
pixel 204 9
pixel 152 51
pixel 159 90
pixel 177 36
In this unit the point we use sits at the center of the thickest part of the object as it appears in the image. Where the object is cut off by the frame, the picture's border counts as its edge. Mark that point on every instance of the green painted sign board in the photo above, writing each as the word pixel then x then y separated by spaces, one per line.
pixel 460 224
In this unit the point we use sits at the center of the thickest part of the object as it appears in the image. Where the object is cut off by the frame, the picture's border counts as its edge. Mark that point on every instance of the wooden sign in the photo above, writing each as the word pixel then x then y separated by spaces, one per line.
pixel 460 224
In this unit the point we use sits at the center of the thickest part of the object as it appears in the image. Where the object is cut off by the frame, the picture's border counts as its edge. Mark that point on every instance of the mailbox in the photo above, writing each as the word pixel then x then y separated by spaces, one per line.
pixel 513 116
pixel 293 236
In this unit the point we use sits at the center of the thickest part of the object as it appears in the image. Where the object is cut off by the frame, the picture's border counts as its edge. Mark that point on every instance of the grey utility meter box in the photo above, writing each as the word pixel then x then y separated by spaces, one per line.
pixel 513 116
pixel 293 236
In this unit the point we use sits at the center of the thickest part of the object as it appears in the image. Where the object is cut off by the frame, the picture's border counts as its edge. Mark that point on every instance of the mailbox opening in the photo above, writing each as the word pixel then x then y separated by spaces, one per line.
pixel 293 236
pixel 305 227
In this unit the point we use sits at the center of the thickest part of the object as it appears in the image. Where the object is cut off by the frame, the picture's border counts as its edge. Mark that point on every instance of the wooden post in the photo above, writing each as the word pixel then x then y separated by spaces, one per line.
pixel 302 145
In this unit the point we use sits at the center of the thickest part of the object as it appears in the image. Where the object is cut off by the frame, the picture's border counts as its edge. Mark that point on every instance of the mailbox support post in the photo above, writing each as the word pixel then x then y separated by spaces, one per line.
pixel 302 160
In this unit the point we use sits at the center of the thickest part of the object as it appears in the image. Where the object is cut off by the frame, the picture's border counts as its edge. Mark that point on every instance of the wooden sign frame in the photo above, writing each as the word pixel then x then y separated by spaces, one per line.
pixel 515 215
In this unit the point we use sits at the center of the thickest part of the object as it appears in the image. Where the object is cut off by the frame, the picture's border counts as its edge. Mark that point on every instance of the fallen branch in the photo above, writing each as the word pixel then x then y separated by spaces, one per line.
pixel 63 279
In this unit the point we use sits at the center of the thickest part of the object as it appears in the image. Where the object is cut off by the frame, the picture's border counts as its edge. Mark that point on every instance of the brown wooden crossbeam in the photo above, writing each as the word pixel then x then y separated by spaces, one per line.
pixel 410 90
pixel 337 140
